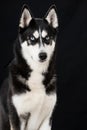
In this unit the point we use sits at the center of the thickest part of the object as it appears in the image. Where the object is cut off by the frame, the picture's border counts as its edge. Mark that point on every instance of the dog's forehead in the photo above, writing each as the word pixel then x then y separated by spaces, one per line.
pixel 40 29
pixel 40 33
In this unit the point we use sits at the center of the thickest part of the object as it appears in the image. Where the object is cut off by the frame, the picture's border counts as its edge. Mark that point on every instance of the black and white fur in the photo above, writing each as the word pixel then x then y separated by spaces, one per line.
pixel 31 95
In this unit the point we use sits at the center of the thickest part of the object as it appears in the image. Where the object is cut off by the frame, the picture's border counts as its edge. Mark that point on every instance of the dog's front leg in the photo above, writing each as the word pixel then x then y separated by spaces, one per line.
pixel 11 127
pixel 46 125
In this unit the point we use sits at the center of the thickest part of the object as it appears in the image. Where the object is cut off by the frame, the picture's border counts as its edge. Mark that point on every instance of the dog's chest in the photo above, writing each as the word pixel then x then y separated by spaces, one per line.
pixel 36 102
pixel 42 111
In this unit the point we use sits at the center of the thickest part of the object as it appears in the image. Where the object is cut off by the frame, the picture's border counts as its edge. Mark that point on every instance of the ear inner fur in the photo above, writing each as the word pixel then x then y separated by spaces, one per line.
pixel 51 16
pixel 26 17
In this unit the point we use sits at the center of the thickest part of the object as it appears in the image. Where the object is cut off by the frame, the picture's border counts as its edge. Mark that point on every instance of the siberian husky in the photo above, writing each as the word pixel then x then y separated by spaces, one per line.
pixel 31 90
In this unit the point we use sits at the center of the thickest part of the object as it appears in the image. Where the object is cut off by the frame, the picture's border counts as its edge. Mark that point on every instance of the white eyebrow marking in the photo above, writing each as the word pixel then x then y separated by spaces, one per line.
pixel 44 33
pixel 36 34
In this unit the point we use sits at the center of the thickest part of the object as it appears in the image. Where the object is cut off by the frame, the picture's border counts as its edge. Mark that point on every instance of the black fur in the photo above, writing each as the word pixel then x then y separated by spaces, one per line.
pixel 4 120
pixel 15 122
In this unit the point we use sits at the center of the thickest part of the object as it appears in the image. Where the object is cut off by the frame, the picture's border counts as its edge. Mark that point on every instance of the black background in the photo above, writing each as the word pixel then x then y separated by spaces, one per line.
pixel 71 110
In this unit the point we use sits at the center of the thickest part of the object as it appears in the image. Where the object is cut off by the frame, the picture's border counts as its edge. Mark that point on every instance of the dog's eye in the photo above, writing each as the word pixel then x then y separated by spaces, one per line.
pixel 47 38
pixel 32 38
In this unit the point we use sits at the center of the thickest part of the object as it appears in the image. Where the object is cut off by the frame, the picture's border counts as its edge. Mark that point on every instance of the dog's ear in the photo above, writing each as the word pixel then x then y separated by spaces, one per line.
pixel 26 17
pixel 51 16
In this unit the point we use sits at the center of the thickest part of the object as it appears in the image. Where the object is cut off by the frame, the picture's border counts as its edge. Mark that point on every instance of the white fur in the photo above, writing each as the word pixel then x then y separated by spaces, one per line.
pixel 45 125
pixel 44 33
pixel 22 126
pixel 35 81
pixel 38 104
pixel 25 18
pixel 31 54
pixel 36 34
pixel 52 18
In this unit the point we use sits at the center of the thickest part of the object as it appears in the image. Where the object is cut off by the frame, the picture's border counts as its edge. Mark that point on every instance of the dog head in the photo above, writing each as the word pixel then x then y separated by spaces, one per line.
pixel 38 36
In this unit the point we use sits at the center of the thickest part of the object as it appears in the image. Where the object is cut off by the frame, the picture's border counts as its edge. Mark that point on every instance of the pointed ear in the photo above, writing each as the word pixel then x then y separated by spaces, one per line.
pixel 51 16
pixel 25 17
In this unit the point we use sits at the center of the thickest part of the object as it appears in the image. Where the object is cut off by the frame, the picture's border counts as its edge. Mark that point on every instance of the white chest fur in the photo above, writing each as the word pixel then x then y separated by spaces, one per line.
pixel 36 102
pixel 35 81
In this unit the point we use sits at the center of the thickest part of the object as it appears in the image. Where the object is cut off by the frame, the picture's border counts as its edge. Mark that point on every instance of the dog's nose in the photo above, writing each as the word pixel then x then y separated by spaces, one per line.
pixel 42 56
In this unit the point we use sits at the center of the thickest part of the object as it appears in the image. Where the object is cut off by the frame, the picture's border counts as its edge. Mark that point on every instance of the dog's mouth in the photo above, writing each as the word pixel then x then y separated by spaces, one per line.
pixel 42 61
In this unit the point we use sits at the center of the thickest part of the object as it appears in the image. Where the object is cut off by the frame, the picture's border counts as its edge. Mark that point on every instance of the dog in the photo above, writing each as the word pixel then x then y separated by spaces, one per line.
pixel 29 93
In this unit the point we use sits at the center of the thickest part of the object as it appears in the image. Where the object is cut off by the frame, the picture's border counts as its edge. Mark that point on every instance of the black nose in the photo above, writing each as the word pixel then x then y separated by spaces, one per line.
pixel 42 56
